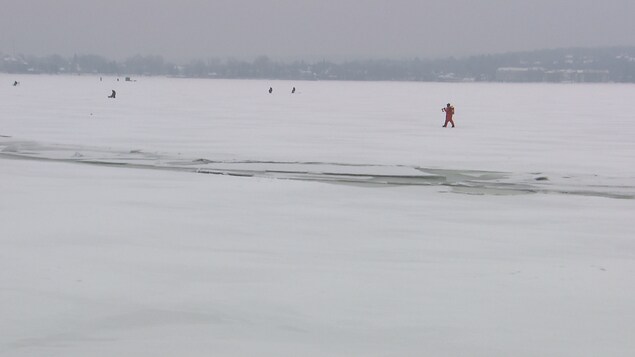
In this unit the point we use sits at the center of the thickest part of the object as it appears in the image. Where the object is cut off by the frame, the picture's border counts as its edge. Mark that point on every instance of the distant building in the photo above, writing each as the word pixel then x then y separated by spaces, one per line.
pixel 539 74
pixel 520 74
pixel 578 76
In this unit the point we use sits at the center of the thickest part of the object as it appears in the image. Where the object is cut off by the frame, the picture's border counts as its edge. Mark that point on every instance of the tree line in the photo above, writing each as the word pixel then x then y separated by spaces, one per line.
pixel 617 62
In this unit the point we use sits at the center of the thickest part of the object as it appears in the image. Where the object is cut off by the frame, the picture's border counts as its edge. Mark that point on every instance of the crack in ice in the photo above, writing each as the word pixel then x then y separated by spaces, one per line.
pixel 472 182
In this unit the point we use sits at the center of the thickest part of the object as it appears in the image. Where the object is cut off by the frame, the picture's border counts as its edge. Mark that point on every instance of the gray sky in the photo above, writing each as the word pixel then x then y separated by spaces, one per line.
pixel 309 29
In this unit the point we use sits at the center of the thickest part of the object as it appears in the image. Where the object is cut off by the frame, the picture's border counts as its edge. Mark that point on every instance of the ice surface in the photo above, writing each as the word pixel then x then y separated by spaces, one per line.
pixel 509 235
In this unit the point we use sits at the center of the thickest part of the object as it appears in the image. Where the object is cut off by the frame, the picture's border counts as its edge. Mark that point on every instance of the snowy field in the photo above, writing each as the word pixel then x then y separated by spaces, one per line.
pixel 210 218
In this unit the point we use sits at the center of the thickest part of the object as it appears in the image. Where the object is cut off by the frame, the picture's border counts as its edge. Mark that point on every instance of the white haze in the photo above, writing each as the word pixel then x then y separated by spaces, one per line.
pixel 309 29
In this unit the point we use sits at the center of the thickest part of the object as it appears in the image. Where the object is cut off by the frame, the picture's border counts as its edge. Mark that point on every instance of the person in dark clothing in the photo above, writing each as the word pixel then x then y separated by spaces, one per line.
pixel 270 90
pixel 293 90
pixel 113 95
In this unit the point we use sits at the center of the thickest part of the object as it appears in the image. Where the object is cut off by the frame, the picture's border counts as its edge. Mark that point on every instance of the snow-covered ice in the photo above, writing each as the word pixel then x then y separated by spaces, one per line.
pixel 208 217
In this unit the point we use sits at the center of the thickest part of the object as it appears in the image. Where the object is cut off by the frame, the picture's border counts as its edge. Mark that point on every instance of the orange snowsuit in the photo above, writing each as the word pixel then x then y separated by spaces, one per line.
pixel 449 112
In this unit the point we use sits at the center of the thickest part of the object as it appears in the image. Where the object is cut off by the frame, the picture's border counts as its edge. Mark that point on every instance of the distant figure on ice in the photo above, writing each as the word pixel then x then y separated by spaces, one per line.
pixel 293 90
pixel 270 90
pixel 15 83
pixel 113 95
pixel 449 112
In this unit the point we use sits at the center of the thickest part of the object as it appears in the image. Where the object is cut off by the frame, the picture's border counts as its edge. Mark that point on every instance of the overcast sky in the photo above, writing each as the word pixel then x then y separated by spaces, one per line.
pixel 309 29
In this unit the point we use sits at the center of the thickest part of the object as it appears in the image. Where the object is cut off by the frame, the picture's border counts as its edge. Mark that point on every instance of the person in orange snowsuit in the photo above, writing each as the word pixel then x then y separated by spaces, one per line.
pixel 449 112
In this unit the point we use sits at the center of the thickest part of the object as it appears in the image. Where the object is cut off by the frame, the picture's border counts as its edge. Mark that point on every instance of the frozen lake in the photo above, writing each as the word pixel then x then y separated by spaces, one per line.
pixel 197 217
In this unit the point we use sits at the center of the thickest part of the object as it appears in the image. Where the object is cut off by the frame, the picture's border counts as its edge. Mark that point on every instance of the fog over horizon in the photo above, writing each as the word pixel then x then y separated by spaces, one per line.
pixel 309 29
